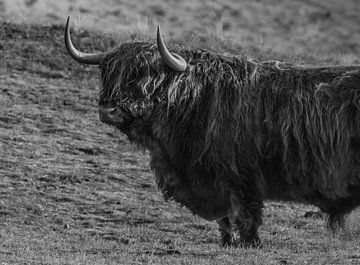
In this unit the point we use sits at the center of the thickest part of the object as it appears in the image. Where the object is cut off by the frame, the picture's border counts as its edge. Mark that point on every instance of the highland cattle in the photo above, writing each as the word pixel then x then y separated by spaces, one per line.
pixel 226 133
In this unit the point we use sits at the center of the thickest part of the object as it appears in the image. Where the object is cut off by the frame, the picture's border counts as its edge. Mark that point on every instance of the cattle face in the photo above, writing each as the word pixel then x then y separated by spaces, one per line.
pixel 226 133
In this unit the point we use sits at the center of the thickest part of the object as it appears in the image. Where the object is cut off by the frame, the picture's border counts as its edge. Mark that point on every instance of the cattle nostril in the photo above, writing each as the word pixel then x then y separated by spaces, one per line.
pixel 106 111
pixel 106 114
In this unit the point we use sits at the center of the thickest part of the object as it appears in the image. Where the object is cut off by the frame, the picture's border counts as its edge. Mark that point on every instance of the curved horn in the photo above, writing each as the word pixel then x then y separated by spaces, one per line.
pixel 174 61
pixel 81 57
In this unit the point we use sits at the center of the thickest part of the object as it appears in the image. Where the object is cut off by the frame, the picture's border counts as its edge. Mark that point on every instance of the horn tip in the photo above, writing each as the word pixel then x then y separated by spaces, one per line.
pixel 158 31
pixel 67 23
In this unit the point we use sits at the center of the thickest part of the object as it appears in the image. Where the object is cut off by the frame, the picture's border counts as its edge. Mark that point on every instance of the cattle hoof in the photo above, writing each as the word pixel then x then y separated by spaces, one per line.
pixel 226 241
pixel 225 238
pixel 231 241
pixel 255 243
pixel 246 242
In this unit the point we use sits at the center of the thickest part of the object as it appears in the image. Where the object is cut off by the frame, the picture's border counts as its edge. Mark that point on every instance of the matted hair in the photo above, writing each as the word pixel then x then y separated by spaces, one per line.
pixel 266 120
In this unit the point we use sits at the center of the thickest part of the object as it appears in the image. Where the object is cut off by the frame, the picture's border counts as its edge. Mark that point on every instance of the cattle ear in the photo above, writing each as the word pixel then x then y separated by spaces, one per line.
pixel 174 61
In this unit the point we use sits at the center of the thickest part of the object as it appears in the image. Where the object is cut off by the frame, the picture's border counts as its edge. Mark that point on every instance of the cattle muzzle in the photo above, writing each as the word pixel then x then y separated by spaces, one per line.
pixel 114 115
pixel 106 114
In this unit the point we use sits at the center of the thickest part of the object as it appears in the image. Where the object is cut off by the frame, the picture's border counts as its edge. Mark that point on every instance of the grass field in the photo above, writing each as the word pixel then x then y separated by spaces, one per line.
pixel 74 191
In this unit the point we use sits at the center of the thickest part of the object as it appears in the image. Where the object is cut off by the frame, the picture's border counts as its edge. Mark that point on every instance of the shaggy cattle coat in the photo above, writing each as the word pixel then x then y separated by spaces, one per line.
pixel 229 133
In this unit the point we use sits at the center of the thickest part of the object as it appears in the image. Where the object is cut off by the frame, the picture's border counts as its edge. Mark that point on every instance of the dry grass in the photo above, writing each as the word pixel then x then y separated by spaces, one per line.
pixel 286 26
pixel 74 191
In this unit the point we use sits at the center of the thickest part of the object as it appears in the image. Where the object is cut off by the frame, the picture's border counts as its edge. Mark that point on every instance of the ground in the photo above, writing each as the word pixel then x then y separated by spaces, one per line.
pixel 75 191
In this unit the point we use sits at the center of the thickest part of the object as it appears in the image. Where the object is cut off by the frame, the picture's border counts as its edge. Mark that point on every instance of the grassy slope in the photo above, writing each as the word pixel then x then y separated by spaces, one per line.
pixel 73 191
pixel 292 26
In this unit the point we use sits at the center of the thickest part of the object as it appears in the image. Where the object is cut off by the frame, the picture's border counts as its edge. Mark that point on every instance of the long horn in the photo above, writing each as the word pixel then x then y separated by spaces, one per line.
pixel 81 57
pixel 174 61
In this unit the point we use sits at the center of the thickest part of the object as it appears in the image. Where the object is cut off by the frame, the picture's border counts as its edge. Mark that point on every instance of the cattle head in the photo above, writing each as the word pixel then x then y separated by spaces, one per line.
pixel 132 76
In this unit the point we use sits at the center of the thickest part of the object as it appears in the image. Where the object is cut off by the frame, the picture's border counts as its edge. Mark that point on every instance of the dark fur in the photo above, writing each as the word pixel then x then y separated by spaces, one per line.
pixel 229 133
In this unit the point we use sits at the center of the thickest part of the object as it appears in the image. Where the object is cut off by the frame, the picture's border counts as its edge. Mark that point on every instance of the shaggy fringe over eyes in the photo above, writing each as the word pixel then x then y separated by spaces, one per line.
pixel 130 74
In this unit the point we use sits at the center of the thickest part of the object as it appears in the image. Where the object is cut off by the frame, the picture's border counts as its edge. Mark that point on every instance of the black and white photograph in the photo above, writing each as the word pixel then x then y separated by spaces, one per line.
pixel 179 132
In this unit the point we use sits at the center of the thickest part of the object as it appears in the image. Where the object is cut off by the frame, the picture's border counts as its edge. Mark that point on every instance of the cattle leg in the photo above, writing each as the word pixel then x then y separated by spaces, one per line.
pixel 336 212
pixel 244 222
pixel 225 231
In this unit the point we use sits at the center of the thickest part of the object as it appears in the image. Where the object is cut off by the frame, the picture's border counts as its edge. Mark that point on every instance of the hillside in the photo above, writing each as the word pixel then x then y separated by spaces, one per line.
pixel 297 26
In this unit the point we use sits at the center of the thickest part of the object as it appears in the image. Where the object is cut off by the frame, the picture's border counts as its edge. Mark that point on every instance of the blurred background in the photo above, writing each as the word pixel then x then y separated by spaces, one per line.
pixel 297 26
